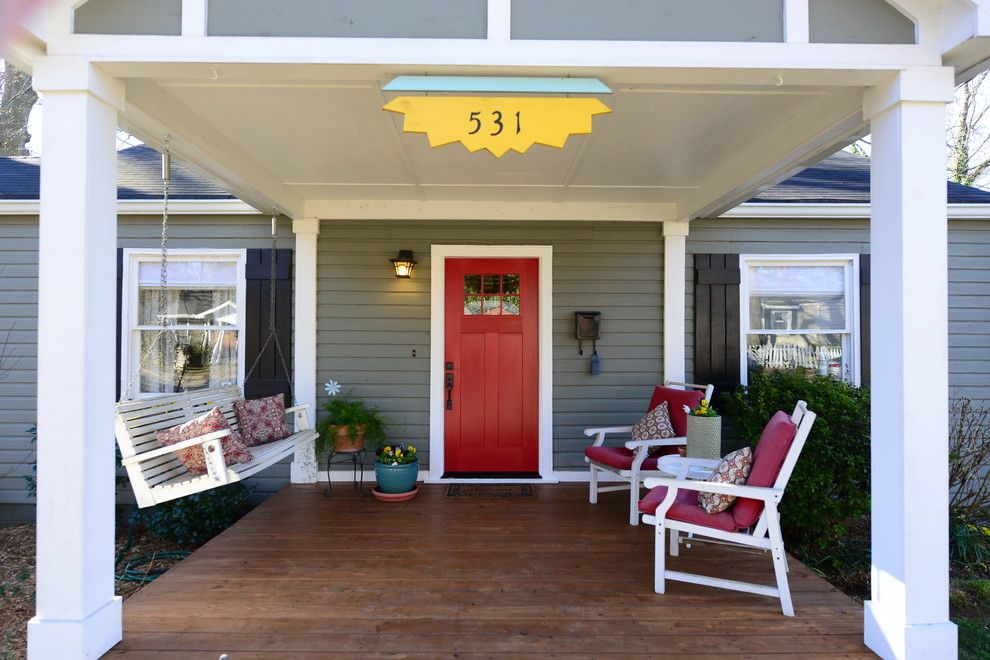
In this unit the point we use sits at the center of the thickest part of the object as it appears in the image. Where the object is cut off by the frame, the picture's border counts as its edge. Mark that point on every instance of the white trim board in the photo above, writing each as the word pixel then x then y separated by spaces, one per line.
pixel 609 212
pixel 438 257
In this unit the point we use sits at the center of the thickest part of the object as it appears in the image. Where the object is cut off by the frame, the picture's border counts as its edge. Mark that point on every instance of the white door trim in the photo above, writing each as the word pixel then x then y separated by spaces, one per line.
pixel 438 258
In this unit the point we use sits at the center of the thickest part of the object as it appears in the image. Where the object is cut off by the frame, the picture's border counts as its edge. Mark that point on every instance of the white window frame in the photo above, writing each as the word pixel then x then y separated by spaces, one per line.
pixel 853 325
pixel 130 348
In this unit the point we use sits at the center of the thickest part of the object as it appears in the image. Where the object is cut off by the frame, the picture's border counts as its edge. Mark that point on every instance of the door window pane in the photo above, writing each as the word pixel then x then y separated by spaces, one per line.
pixel 472 284
pixel 492 283
pixel 499 295
pixel 510 305
pixel 510 284
pixel 472 305
pixel 493 305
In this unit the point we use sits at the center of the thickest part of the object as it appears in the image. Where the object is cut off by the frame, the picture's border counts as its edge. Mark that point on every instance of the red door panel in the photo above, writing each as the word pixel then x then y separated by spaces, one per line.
pixel 491 339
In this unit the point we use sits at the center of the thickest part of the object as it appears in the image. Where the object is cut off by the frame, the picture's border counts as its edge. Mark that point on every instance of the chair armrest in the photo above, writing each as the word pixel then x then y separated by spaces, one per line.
pixel 657 442
pixel 171 449
pixel 752 492
pixel 608 429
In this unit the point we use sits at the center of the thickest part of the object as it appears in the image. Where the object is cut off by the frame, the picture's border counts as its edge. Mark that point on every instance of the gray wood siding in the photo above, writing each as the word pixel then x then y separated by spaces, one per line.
pixel 370 322
pixel 969 278
pixel 19 318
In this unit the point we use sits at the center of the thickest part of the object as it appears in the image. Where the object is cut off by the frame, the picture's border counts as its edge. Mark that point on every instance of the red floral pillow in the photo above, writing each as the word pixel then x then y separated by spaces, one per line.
pixel 234 450
pixel 732 469
pixel 262 420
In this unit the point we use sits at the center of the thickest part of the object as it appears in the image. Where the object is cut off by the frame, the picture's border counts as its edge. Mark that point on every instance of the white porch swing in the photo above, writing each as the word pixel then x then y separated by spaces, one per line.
pixel 155 472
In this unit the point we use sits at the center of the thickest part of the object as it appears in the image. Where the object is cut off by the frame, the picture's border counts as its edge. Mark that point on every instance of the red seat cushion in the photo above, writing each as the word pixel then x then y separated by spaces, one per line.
pixel 617 457
pixel 676 399
pixel 768 458
pixel 686 509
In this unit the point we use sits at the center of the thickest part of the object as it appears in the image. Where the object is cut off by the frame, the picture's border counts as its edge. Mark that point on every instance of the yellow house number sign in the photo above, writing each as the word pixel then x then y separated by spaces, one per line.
pixel 497 124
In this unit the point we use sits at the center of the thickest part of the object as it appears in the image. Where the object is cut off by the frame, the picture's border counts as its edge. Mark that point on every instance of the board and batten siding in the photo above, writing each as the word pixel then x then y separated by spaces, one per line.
pixel 369 322
pixel 19 318
pixel 969 278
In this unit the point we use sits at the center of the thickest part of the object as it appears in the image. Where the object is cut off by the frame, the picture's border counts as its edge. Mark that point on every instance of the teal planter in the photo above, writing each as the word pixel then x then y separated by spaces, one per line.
pixel 396 478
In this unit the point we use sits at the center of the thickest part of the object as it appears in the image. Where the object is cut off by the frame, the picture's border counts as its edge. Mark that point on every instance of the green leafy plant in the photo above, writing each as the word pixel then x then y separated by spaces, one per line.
pixel 831 484
pixel 195 519
pixel 397 455
pixel 969 540
pixel 351 412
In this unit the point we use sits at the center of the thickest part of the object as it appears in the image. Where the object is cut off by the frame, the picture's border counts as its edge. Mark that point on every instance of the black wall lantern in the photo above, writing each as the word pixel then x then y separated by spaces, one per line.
pixel 403 264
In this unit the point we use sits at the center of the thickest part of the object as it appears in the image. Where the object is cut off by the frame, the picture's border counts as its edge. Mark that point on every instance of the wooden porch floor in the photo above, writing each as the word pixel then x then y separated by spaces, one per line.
pixel 308 576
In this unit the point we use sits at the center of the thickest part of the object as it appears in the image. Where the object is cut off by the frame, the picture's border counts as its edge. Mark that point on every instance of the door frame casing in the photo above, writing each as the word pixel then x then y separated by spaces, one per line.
pixel 438 262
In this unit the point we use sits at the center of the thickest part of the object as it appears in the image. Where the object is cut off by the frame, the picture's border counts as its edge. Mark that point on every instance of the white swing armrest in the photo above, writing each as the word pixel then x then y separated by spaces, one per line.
pixel 301 410
pixel 171 449
pixel 656 442
pixel 752 492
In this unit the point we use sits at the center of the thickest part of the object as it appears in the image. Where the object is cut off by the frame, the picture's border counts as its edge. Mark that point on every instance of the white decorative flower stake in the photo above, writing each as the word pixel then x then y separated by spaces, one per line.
pixel 331 387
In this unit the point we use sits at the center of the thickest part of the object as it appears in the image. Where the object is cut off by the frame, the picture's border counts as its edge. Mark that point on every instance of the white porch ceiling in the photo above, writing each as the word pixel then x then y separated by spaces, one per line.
pixel 322 142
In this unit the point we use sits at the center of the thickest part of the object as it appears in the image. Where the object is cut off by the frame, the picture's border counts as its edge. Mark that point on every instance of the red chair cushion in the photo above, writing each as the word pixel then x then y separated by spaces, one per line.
pixel 768 458
pixel 686 509
pixel 618 457
pixel 676 399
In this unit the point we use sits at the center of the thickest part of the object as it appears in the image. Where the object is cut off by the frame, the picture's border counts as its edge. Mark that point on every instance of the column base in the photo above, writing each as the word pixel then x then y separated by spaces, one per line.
pixel 302 473
pixel 890 638
pixel 86 638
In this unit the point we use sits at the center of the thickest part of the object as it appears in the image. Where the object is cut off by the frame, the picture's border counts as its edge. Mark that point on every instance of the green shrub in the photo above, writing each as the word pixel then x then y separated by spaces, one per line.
pixel 195 519
pixel 969 541
pixel 831 483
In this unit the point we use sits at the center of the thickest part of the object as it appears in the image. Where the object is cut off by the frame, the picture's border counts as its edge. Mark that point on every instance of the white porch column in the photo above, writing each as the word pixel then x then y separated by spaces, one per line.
pixel 674 300
pixel 78 615
pixel 303 468
pixel 908 613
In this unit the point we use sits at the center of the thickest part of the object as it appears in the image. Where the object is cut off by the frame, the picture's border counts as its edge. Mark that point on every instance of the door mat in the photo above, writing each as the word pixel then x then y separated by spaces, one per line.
pixel 490 490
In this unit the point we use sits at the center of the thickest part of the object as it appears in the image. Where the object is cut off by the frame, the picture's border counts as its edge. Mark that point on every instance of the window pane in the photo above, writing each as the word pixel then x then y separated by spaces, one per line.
pixel 510 284
pixel 822 354
pixel 472 305
pixel 187 360
pixel 472 284
pixel 182 272
pixel 797 312
pixel 510 305
pixel 821 279
pixel 189 306
pixel 492 283
pixel 493 305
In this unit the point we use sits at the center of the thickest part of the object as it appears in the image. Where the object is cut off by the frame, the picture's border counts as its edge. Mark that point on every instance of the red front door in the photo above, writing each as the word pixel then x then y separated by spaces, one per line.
pixel 491 366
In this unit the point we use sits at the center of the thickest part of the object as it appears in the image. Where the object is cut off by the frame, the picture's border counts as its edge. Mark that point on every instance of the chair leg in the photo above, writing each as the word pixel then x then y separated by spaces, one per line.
pixel 659 558
pixel 593 486
pixel 780 565
pixel 634 499
pixel 675 543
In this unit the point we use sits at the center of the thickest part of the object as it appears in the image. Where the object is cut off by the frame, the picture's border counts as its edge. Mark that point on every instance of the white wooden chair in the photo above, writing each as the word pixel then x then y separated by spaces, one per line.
pixel 156 473
pixel 679 495
pixel 632 462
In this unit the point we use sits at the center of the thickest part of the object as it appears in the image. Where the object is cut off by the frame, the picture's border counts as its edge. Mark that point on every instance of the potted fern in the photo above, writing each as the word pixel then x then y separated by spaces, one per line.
pixel 350 424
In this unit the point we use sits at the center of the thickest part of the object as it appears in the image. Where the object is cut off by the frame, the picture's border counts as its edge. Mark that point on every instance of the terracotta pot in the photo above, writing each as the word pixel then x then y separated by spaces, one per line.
pixel 342 439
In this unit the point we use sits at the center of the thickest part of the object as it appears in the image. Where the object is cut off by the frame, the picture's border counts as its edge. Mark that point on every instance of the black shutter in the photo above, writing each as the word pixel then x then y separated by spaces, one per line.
pixel 120 297
pixel 268 378
pixel 864 318
pixel 716 320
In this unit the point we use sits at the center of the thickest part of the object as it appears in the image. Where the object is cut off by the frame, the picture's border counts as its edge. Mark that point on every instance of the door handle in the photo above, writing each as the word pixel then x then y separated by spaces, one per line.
pixel 449 381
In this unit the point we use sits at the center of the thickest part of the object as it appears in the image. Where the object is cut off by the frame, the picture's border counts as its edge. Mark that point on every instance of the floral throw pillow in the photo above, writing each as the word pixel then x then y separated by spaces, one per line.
pixel 732 469
pixel 234 450
pixel 262 420
pixel 655 425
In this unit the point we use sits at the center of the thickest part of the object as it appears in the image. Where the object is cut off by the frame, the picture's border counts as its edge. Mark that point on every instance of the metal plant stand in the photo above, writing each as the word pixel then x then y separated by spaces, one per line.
pixel 357 461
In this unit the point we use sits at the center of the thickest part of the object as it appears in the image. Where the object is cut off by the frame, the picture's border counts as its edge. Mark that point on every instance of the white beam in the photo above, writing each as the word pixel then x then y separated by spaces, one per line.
pixel 471 210
pixel 908 613
pixel 78 615
pixel 797 25
pixel 500 20
pixel 674 299
pixel 193 18
pixel 307 231
pixel 570 55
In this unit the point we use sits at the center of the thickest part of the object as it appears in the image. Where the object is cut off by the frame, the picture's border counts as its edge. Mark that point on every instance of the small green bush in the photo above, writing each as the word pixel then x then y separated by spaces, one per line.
pixel 831 483
pixel 195 519
pixel 969 541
